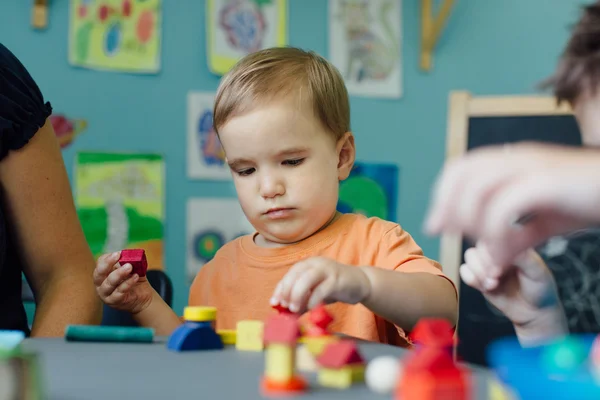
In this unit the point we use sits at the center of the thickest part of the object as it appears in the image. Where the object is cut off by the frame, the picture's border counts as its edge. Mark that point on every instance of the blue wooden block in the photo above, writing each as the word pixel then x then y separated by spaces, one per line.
pixel 192 336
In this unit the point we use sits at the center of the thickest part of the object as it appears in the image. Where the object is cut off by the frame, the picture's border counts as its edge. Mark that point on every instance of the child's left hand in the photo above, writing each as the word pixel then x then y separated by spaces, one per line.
pixel 320 280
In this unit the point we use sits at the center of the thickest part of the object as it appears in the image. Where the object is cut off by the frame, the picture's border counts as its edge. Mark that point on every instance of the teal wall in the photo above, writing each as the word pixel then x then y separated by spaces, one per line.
pixel 489 47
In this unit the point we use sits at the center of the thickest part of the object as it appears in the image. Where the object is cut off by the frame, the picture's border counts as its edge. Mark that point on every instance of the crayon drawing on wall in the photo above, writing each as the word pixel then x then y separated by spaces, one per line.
pixel 236 28
pixel 211 222
pixel 118 35
pixel 120 202
pixel 371 190
pixel 365 45
pixel 205 156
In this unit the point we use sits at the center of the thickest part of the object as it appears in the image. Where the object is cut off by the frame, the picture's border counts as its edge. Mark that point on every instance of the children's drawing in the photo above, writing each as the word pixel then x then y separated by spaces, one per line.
pixel 365 45
pixel 371 190
pixel 120 202
pixel 121 35
pixel 66 129
pixel 236 28
pixel 211 223
pixel 206 158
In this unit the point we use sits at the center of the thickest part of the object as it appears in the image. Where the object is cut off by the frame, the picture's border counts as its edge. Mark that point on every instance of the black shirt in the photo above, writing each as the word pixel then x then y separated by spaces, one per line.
pixel 22 113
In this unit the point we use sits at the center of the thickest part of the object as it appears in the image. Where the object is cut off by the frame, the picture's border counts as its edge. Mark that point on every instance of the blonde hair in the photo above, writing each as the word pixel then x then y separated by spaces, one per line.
pixel 267 74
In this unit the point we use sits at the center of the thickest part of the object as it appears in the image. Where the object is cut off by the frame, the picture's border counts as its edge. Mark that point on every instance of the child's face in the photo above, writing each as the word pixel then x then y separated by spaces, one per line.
pixel 286 168
pixel 587 113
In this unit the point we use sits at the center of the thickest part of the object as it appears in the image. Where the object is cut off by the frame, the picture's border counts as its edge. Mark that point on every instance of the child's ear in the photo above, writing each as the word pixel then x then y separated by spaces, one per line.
pixel 346 155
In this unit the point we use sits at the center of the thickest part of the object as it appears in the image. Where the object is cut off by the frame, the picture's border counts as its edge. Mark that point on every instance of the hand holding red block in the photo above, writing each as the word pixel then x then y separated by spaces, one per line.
pixel 137 259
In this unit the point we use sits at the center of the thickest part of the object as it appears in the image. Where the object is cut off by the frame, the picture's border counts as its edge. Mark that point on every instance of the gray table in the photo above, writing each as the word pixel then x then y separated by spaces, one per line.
pixel 106 371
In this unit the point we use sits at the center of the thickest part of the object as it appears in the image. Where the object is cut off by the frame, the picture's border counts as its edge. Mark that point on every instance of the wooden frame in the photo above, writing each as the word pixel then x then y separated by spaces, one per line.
pixel 431 29
pixel 462 106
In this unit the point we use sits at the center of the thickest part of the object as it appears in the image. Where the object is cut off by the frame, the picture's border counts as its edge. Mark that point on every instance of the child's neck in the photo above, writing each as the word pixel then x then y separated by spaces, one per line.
pixel 261 241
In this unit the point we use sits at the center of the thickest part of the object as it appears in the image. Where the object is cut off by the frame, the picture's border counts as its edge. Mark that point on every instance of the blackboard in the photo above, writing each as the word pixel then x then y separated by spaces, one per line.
pixel 573 259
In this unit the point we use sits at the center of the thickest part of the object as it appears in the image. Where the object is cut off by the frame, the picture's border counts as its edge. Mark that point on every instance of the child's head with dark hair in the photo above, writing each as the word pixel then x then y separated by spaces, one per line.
pixel 577 76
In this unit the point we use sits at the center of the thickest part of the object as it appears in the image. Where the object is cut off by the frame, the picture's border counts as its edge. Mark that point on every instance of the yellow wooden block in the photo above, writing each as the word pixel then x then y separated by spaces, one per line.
pixel 228 336
pixel 200 314
pixel 305 361
pixel 280 362
pixel 250 335
pixel 341 378
pixel 316 344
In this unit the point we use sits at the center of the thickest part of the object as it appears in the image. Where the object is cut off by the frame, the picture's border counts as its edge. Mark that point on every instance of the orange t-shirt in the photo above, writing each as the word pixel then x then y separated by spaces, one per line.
pixel 241 278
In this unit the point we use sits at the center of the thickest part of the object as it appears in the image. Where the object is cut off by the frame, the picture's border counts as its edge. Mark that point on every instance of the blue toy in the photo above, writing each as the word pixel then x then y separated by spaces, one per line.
pixel 192 336
pixel 554 371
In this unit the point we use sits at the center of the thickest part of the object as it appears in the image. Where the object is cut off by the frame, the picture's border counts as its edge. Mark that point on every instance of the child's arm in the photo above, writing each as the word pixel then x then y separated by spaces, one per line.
pixel 526 293
pixel 401 298
pixel 118 288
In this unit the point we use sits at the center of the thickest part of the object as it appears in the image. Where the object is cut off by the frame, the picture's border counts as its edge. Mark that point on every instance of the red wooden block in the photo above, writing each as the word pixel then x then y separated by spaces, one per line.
pixel 281 309
pixel 446 384
pixel 320 319
pixel 434 332
pixel 137 259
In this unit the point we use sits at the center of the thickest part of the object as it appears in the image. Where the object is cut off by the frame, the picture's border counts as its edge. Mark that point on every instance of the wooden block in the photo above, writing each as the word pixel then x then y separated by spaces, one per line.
pixel 305 361
pixel 250 335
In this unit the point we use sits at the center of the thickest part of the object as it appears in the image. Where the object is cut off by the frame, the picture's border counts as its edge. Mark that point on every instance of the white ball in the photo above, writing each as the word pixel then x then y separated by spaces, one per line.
pixel 382 374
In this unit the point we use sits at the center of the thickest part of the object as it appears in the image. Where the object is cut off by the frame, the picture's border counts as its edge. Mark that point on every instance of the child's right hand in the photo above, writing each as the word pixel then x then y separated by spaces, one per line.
pixel 525 292
pixel 118 288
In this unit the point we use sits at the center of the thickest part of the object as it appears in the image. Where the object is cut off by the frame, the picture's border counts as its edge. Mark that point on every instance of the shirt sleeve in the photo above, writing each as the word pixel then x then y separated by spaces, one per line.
pixel 399 251
pixel 22 108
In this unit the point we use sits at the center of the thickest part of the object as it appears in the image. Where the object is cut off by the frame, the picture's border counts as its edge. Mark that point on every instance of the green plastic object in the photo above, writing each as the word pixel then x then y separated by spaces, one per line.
pixel 567 355
pixel 94 333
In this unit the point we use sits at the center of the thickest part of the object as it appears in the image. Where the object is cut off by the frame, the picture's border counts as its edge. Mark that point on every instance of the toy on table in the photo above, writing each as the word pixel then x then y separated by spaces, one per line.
pixel 280 337
pixel 382 374
pixel 228 336
pixel 429 370
pixel 10 339
pixel 20 375
pixel 341 365
pixel 197 332
pixel 250 335
pixel 554 370
pixel 137 259
pixel 282 310
pixel 317 335
pixel 95 333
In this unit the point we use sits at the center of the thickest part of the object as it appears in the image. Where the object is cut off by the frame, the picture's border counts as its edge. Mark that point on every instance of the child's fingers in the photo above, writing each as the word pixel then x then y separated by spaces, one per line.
pixel 104 266
pixel 113 280
pixel 282 292
pixel 303 287
pixel 321 293
pixel 122 290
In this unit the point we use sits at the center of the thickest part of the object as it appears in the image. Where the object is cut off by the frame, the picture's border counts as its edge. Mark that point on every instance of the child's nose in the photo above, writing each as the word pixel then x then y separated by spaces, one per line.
pixel 271 187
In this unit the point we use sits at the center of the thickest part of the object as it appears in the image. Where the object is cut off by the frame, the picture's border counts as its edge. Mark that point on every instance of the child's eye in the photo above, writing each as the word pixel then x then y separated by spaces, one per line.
pixel 295 162
pixel 246 172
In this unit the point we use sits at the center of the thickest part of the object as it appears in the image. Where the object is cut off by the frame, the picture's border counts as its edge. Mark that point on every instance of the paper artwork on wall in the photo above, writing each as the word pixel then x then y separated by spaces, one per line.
pixel 370 190
pixel 365 45
pixel 236 28
pixel 205 156
pixel 117 35
pixel 211 222
pixel 120 202
pixel 67 129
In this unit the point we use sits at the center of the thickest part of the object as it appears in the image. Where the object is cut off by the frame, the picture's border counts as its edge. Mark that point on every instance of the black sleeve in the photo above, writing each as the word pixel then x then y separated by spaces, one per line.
pixel 22 108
